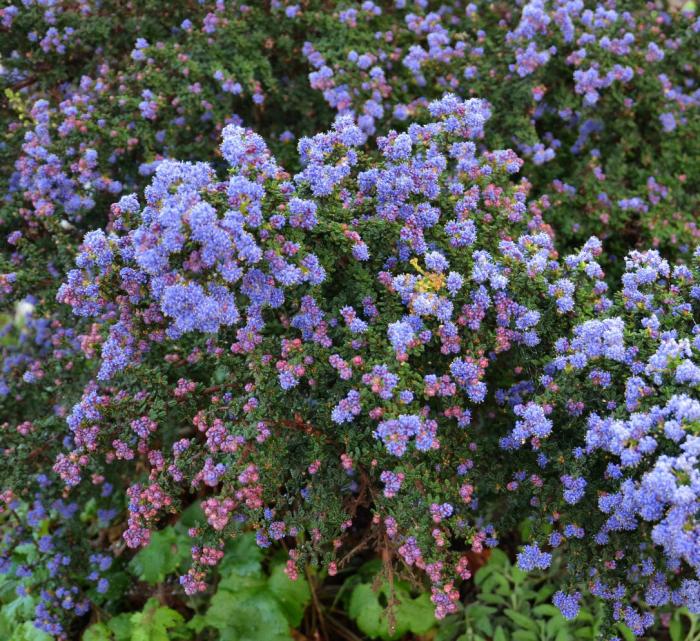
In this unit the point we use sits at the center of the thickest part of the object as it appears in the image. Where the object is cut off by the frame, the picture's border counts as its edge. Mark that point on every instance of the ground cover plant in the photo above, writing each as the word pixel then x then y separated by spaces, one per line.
pixel 349 320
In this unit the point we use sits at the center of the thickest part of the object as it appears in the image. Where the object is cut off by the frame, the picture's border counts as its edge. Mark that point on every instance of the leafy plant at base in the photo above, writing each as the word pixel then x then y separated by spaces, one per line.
pixel 154 623
pixel 511 605
pixel 389 611
pixel 166 552
pixel 250 604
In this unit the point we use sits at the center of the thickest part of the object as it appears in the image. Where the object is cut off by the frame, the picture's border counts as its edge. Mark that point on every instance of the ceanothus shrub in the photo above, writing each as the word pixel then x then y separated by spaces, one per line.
pixel 364 321
pixel 599 98
pixel 616 479
pixel 359 356
pixel 160 81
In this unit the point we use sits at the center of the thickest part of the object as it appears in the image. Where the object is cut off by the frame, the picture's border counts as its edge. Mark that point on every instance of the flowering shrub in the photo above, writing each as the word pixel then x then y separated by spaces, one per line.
pixel 98 125
pixel 434 235
pixel 598 97
pixel 421 335
pixel 622 391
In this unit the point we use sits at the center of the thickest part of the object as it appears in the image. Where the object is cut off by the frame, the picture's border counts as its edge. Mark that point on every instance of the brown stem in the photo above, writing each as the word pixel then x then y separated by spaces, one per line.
pixel 317 605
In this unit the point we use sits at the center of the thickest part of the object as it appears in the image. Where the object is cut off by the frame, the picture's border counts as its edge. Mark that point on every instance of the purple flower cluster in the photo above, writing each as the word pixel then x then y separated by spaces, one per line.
pixel 619 398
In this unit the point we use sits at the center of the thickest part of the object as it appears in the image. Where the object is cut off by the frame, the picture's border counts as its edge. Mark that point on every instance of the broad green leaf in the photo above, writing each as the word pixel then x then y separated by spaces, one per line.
pixel 478 611
pixel 369 614
pixel 27 631
pixel 494 581
pixel 162 556
pixel 243 556
pixel 20 609
pixel 526 528
pixel 8 588
pixel 527 594
pixel 524 635
pixel 121 626
pixel 503 586
pixel 417 614
pixel 154 622
pixel 197 623
pixel 585 616
pixel 293 596
pixel 191 516
pixel 481 616
pixel 483 573
pixel 675 630
pixel 409 614
pixel 449 628
pixel 249 615
pixel 97 632
pixel 6 627
pixel 234 582
pixel 519 576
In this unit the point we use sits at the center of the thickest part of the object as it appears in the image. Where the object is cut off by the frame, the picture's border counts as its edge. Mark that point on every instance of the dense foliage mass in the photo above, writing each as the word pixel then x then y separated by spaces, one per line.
pixel 327 281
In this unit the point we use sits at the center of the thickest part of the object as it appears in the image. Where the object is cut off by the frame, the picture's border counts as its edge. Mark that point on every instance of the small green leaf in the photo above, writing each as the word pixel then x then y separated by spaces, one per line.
pixel 484 625
pixel 547 610
pixel 499 558
pixel 626 633
pixel 586 632
pixel 27 550
pixel 495 599
pixel 545 592
pixel 555 624
pixel 500 634
pixel 520 619
pixel 563 635
pixel 519 576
